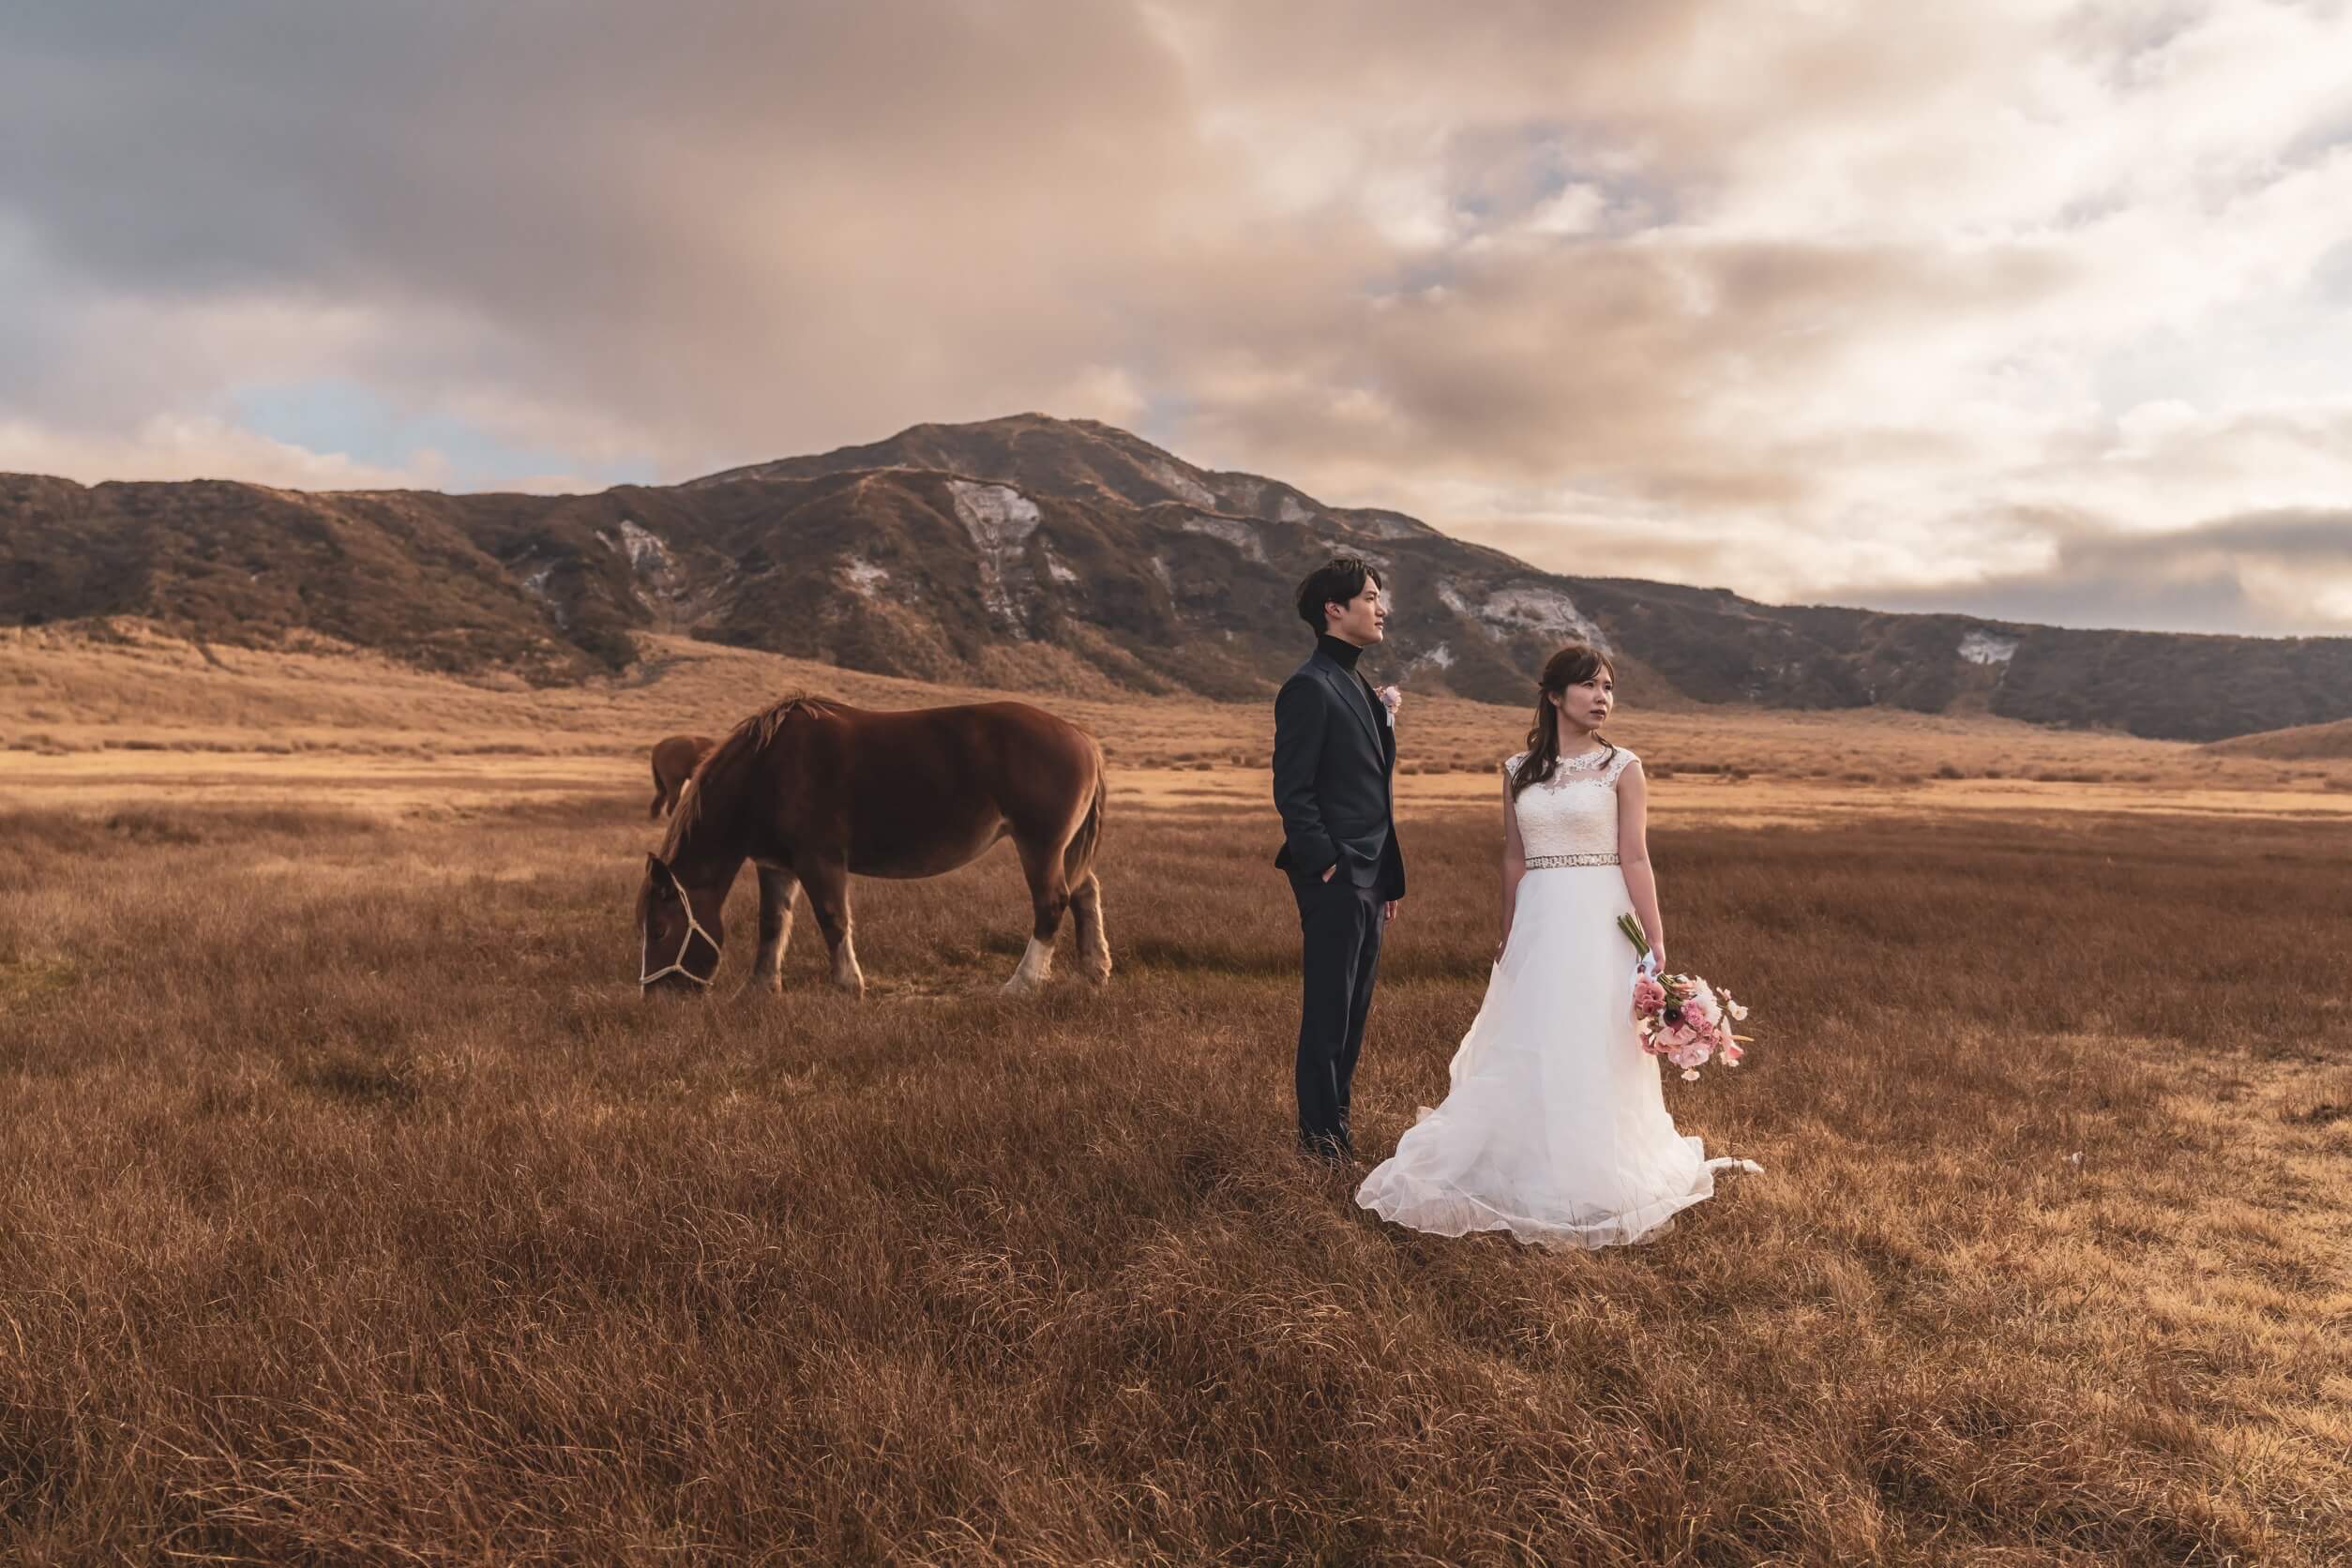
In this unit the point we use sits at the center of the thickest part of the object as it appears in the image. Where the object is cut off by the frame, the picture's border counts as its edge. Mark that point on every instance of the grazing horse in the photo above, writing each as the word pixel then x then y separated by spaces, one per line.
pixel 810 791
pixel 673 765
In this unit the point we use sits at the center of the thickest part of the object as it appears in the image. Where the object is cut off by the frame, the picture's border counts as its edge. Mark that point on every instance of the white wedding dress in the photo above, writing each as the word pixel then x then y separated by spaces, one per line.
pixel 1555 1127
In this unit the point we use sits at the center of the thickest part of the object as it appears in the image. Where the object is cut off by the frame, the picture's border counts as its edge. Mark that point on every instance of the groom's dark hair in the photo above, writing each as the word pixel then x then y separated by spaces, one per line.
pixel 1335 581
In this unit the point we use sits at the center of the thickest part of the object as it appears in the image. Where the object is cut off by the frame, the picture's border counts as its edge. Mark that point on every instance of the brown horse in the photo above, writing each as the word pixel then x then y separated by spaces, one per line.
pixel 673 765
pixel 810 791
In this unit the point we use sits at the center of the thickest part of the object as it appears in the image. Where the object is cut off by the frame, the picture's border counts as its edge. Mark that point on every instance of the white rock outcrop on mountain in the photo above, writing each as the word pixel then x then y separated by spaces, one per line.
pixel 535 584
pixel 645 550
pixel 1984 647
pixel 1181 483
pixel 1000 519
pixel 1524 610
pixel 1233 531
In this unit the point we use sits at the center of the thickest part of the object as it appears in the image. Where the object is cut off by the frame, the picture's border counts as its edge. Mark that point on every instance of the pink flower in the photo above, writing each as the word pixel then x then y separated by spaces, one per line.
pixel 1684 1019
pixel 1391 698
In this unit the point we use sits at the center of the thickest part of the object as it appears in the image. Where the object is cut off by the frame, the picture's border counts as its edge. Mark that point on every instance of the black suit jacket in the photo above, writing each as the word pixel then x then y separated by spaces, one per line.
pixel 1333 761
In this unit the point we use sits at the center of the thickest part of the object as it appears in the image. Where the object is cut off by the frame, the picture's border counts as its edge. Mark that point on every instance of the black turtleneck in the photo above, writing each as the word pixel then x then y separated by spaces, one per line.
pixel 1339 651
pixel 1345 654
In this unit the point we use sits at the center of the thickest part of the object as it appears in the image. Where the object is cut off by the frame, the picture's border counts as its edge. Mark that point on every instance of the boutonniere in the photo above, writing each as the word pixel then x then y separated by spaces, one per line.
pixel 1391 698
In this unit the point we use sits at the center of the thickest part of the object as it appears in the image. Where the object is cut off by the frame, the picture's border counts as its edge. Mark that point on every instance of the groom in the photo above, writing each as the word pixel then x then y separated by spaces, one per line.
pixel 1335 748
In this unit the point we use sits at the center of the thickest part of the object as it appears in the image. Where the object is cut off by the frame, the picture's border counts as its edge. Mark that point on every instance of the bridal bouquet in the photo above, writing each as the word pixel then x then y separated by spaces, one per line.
pixel 1682 1016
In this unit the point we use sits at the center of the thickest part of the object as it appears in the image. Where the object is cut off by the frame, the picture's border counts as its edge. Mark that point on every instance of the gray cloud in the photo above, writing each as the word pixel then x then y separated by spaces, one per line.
pixel 2267 574
pixel 727 226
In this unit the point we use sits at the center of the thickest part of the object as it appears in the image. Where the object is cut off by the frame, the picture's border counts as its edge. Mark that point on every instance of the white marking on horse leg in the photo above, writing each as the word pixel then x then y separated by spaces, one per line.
pixel 1036 968
pixel 846 974
pixel 1086 902
pixel 767 965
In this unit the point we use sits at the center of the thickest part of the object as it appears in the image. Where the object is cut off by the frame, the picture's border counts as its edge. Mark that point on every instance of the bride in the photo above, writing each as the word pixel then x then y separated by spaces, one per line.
pixel 1554 1127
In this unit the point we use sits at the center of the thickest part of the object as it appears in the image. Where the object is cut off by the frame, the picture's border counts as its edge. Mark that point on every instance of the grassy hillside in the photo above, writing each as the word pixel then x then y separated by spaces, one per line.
pixel 2303 743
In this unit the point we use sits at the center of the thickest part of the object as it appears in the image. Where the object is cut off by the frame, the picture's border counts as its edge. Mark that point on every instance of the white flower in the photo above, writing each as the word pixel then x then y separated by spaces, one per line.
pixel 1391 698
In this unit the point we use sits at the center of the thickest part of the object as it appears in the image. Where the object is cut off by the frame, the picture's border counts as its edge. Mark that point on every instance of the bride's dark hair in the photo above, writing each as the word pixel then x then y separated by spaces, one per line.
pixel 1576 662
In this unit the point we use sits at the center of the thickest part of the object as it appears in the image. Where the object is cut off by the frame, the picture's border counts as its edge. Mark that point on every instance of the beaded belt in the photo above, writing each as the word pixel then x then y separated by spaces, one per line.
pixel 1544 862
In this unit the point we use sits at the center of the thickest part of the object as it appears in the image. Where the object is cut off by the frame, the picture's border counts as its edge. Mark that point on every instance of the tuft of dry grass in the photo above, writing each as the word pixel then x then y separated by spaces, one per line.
pixel 354 1207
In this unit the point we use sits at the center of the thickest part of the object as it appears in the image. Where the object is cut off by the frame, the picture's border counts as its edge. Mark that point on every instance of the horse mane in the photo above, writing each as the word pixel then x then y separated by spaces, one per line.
pixel 768 720
pixel 745 741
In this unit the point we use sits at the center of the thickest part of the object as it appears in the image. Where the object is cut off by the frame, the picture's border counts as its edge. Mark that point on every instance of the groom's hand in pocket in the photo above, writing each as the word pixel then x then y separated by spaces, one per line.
pixel 1388 910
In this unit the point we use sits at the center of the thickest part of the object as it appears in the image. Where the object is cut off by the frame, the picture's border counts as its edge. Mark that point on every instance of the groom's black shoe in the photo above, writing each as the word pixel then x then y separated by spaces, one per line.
pixel 1328 1152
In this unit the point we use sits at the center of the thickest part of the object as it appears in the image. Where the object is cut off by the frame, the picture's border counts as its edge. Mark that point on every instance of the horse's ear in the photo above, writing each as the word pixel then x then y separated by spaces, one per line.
pixel 664 879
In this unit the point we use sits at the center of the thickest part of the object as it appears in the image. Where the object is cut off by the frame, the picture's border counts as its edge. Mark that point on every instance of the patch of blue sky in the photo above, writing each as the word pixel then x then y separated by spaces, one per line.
pixel 1563 160
pixel 1167 413
pixel 351 419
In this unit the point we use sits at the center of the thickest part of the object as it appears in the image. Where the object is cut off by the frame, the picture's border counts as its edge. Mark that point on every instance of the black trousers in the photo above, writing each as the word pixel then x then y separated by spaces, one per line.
pixel 1340 924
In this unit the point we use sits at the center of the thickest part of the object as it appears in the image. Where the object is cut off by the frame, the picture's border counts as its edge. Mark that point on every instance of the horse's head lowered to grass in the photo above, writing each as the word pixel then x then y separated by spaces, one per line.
pixel 679 944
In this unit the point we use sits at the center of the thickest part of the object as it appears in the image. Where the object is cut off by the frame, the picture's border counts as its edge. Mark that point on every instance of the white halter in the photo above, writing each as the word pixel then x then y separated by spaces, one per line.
pixel 694 929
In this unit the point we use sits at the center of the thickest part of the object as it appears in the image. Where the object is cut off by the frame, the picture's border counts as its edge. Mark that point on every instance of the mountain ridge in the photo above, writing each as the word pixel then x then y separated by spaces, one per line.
pixel 1050 554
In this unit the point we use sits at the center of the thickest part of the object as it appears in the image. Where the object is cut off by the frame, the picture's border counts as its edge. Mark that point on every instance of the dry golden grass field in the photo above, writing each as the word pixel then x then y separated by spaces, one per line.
pixel 352 1207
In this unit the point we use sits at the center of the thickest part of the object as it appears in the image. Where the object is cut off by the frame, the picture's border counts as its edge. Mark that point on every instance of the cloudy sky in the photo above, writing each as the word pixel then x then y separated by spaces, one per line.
pixel 2028 309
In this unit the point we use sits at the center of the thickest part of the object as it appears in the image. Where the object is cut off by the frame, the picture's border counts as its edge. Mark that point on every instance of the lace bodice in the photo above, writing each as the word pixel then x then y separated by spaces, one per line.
pixel 1571 818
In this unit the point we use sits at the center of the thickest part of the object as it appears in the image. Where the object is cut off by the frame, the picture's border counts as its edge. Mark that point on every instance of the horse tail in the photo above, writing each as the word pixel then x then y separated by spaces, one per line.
pixel 661 791
pixel 1083 843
